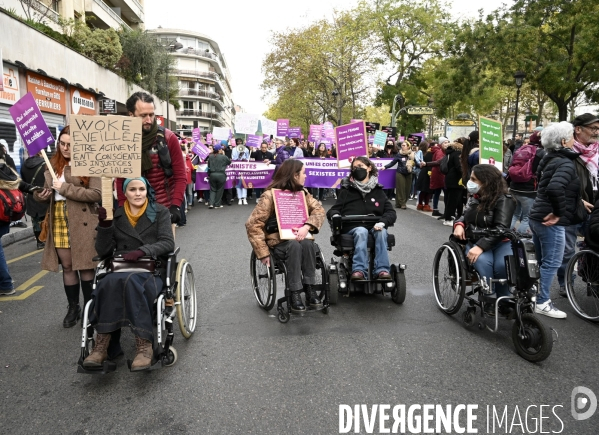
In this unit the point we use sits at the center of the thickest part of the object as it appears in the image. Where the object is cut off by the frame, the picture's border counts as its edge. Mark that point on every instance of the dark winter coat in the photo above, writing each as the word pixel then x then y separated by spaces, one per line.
pixel 499 217
pixel 351 201
pixel 30 166
pixel 454 175
pixel 592 235
pixel 401 160
pixel 437 177
pixel 259 156
pixel 424 180
pixel 559 188
pixel 530 187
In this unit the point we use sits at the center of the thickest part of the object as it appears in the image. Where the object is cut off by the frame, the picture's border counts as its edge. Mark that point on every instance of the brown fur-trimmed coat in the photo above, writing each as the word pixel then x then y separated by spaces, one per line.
pixel 82 205
pixel 265 208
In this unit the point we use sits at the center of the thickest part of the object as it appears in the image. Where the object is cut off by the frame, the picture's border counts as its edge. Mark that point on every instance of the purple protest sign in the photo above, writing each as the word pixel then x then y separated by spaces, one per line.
pixel 31 125
pixel 294 132
pixel 200 150
pixel 323 173
pixel 253 140
pixel 315 132
pixel 196 136
pixel 266 138
pixel 351 142
pixel 282 127
pixel 355 120
pixel 209 138
pixel 291 211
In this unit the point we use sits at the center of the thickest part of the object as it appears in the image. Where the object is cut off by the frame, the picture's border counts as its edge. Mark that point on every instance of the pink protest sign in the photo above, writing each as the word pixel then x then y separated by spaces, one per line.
pixel 282 127
pixel 295 132
pixel 201 150
pixel 31 125
pixel 292 212
pixel 352 142
pixel 315 132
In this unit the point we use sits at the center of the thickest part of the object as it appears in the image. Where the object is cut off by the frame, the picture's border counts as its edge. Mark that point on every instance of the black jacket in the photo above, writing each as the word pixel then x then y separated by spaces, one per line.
pixel 529 188
pixel 592 235
pixel 30 166
pixel 259 156
pixel 401 160
pixel 350 201
pixel 559 188
pixel 453 177
pixel 499 217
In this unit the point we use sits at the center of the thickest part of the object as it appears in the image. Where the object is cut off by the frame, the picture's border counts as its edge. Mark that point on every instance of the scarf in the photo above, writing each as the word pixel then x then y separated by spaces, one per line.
pixel 589 155
pixel 365 188
pixel 133 218
pixel 147 141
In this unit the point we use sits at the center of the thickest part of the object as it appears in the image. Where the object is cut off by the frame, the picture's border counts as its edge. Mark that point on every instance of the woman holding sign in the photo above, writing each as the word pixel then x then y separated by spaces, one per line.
pixel 403 175
pixel 299 254
pixel 71 226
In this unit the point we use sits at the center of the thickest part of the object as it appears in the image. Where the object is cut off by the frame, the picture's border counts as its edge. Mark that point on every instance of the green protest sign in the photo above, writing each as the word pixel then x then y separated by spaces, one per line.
pixel 380 138
pixel 491 142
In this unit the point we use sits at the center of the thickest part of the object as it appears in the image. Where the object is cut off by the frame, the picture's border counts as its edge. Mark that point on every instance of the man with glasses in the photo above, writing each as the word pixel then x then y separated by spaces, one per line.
pixel 586 143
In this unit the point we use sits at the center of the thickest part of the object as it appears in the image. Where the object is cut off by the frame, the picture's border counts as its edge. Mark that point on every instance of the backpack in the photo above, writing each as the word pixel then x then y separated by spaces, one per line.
pixel 520 170
pixel 163 152
pixel 444 165
pixel 12 205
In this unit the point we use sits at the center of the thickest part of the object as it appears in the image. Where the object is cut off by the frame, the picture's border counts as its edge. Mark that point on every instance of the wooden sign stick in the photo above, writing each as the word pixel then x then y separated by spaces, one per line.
pixel 107 198
pixel 52 173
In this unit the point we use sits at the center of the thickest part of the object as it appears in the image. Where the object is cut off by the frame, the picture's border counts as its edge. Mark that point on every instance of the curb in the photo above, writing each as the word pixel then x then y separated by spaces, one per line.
pixel 17 236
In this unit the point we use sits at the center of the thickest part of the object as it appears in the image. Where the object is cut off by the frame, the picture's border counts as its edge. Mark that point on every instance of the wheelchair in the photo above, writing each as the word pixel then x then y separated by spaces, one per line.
pixel 265 280
pixel 452 274
pixel 340 270
pixel 583 293
pixel 177 298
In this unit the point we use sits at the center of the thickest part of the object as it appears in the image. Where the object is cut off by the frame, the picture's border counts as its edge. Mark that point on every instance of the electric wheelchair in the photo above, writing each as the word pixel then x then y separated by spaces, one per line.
pixel 340 270
pixel 583 293
pixel 452 274
pixel 177 298
pixel 265 280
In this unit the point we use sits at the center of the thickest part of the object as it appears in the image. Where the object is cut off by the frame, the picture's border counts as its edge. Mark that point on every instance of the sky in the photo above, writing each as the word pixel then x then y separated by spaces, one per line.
pixel 242 30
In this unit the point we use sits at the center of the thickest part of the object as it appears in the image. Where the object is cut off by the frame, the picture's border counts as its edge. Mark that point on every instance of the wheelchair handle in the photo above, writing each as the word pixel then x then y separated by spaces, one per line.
pixel 499 232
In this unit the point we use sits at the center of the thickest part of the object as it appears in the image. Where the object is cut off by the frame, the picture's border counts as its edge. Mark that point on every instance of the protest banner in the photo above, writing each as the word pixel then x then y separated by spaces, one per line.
pixel 351 142
pixel 294 132
pixel 107 147
pixel 380 138
pixel 372 127
pixel 282 127
pixel 220 133
pixel 491 142
pixel 246 123
pixel 200 150
pixel 315 132
pixel 253 141
pixel 269 127
pixel 291 210
pixel 32 128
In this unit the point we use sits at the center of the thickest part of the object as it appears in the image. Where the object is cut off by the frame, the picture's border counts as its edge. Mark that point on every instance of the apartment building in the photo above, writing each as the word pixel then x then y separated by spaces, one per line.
pixel 205 93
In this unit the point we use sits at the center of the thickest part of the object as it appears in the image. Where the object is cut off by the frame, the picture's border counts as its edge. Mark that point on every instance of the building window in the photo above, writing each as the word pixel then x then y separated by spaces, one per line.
pixel 187 105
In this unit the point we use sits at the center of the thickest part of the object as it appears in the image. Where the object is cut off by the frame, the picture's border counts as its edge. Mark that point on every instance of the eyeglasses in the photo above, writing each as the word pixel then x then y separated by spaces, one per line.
pixel 64 144
pixel 593 129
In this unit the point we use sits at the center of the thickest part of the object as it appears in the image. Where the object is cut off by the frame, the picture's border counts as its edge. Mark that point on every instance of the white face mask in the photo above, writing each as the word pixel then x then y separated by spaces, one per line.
pixel 472 187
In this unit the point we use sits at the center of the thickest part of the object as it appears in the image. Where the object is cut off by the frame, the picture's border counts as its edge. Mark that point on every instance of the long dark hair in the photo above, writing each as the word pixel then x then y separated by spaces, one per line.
pixel 493 185
pixel 285 177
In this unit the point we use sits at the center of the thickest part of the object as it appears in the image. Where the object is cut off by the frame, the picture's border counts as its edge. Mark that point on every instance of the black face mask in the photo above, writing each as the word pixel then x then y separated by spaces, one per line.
pixel 389 146
pixel 359 173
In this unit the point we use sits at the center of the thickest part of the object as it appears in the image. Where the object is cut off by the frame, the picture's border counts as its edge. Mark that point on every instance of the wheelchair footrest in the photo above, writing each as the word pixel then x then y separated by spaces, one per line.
pixel 107 367
pixel 154 366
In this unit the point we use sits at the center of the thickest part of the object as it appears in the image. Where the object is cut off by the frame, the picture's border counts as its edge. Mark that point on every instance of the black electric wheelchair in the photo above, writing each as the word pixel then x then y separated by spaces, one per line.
pixel 452 274
pixel 583 285
pixel 265 280
pixel 177 298
pixel 340 270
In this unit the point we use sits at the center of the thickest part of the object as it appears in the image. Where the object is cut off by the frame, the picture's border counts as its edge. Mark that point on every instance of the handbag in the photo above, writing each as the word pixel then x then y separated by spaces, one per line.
pixel 118 264
pixel 43 236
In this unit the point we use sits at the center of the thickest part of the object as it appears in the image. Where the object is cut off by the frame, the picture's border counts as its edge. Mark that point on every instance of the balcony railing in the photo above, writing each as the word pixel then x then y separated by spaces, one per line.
pixel 200 93
pixel 199 114
pixel 44 10
pixel 112 13
pixel 192 72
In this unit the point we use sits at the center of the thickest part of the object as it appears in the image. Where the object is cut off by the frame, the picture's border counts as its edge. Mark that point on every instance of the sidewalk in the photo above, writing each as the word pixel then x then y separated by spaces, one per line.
pixel 17 234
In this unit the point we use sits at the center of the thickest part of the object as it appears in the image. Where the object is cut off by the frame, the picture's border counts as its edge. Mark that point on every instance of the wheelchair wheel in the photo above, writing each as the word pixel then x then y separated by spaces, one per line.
pixel 171 357
pixel 333 287
pixel 263 282
pixel 185 297
pixel 322 278
pixel 583 289
pixel 448 279
pixel 399 292
pixel 534 342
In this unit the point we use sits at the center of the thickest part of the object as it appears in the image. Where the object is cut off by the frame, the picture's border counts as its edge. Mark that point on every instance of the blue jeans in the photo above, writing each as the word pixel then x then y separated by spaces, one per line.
pixel 491 265
pixel 572 232
pixel 5 278
pixel 523 206
pixel 549 244
pixel 381 256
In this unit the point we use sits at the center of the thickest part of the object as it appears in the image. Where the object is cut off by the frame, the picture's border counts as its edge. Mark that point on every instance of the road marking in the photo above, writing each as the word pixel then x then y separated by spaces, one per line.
pixel 31 280
pixel 26 285
pixel 14 260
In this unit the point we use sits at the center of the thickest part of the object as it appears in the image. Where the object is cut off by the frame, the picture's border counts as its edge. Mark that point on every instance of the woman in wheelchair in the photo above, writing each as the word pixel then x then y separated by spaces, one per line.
pixel 361 194
pixel 489 207
pixel 299 254
pixel 140 228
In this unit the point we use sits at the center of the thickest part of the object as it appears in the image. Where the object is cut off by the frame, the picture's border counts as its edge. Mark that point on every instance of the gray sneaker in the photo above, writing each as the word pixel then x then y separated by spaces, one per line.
pixel 7 292
pixel 547 309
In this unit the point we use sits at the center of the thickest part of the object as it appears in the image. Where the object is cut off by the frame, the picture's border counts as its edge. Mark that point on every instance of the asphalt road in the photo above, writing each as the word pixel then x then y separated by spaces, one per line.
pixel 244 372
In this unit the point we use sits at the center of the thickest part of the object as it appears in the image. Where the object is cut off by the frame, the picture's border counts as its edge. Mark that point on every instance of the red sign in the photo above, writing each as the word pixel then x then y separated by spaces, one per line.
pixel 160 120
pixel 49 94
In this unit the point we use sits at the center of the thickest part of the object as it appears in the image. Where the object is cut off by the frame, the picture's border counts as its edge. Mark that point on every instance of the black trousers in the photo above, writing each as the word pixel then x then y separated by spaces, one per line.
pixel 454 205
pixel 300 261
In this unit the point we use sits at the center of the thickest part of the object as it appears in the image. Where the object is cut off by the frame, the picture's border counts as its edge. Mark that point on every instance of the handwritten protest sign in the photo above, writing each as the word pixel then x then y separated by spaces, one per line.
pixel 315 132
pixel 491 142
pixel 268 127
pixel 220 133
pixel 246 123
pixel 351 142
pixel 253 140
pixel 31 125
pixel 380 138
pixel 282 127
pixel 200 150
pixel 292 212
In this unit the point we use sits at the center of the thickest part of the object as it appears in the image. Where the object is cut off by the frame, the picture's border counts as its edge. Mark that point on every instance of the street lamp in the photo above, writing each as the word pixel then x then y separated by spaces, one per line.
pixel 173 46
pixel 431 101
pixel 519 76
pixel 336 94
pixel 397 98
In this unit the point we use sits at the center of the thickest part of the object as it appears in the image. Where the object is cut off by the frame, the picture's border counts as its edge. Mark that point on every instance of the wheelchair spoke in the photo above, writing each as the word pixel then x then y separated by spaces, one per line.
pixel 448 280
pixel 583 287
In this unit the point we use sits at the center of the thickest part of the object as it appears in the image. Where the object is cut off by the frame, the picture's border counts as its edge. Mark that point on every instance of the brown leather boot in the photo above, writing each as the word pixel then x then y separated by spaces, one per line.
pixel 427 208
pixel 143 354
pixel 99 353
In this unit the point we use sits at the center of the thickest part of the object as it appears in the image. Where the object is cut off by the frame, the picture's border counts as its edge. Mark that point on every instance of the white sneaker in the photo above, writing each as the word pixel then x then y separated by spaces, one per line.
pixel 245 201
pixel 448 223
pixel 547 309
pixel 240 202
pixel 201 200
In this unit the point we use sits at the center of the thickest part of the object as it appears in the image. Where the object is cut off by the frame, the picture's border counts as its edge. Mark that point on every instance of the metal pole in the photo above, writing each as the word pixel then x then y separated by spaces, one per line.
pixel 393 112
pixel 339 109
pixel 430 126
pixel 167 98
pixel 516 115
